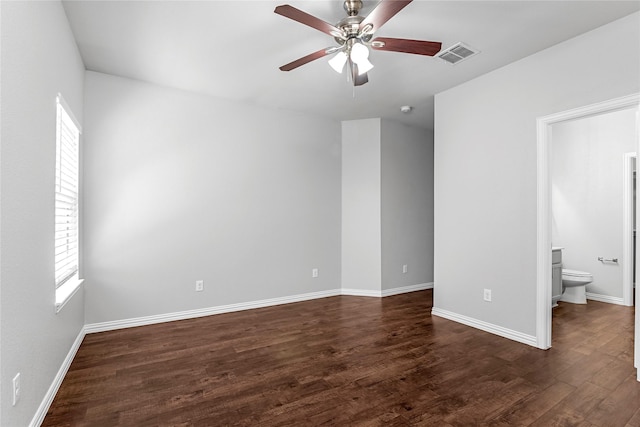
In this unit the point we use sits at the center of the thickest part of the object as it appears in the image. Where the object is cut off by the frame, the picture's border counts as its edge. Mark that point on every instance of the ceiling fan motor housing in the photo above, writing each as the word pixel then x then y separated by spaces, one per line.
pixel 350 27
pixel 352 7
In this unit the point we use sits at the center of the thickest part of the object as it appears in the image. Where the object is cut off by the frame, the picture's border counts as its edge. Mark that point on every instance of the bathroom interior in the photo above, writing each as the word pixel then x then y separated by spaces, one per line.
pixel 593 208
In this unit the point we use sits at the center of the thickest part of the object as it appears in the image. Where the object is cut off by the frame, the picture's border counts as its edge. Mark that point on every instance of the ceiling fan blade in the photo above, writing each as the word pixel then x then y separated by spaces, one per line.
pixel 304 18
pixel 418 47
pixel 305 60
pixel 358 79
pixel 384 11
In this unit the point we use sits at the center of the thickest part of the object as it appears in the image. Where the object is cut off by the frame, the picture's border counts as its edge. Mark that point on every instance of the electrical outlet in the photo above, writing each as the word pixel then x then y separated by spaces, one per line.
pixel 199 285
pixel 487 295
pixel 404 269
pixel 314 272
pixel 16 388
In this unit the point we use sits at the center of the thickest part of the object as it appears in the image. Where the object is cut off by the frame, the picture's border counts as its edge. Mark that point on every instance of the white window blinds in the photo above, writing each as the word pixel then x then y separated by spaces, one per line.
pixel 66 195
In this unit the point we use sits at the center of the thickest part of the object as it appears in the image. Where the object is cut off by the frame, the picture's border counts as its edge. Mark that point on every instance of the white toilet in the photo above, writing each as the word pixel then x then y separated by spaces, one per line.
pixel 574 283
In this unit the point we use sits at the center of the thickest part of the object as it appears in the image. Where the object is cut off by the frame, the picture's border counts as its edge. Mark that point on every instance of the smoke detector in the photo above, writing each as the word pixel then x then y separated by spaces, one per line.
pixel 457 53
pixel 406 108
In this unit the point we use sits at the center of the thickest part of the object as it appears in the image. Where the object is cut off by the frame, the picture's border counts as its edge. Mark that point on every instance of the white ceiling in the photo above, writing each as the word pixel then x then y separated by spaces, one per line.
pixel 232 49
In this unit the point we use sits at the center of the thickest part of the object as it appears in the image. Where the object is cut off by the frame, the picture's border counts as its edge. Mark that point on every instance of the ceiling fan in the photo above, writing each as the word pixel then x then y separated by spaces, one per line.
pixel 354 34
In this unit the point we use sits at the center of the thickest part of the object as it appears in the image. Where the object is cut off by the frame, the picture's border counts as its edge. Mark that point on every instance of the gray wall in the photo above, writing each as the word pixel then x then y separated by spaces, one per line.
pixel 387 206
pixel 587 197
pixel 485 168
pixel 406 205
pixel 36 65
pixel 181 187
pixel 361 234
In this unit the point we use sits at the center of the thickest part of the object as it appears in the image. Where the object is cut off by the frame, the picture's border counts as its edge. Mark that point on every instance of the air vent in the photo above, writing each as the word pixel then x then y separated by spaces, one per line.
pixel 457 53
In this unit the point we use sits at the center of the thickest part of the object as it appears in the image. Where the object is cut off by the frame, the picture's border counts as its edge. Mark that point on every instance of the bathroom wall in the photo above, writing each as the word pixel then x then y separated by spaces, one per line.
pixel 587 197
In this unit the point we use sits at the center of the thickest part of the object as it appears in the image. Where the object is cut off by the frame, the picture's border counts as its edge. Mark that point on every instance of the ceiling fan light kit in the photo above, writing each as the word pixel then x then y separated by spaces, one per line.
pixel 338 61
pixel 353 35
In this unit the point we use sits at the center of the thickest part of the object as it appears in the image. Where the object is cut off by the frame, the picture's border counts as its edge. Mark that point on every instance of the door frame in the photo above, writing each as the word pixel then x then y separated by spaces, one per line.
pixel 627 228
pixel 543 273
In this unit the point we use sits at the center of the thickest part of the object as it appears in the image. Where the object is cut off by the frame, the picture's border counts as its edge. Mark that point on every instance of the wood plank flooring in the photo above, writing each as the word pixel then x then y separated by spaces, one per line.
pixel 346 361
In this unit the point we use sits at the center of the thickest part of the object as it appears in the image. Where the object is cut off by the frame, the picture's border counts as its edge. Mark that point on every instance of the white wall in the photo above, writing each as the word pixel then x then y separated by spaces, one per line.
pixel 181 187
pixel 587 197
pixel 36 65
pixel 485 168
pixel 361 205
pixel 406 205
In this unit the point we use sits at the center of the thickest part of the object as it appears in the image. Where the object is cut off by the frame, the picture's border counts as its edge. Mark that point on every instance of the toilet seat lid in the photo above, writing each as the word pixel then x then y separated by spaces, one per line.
pixel 575 273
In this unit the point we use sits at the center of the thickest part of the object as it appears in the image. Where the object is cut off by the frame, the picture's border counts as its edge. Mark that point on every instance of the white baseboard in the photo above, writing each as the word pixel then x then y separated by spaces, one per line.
pixel 38 418
pixel 361 293
pixel 407 289
pixel 387 292
pixel 190 314
pixel 605 298
pixel 487 327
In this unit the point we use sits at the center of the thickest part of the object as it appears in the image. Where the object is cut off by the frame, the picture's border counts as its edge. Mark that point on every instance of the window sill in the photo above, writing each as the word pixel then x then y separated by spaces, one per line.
pixel 66 291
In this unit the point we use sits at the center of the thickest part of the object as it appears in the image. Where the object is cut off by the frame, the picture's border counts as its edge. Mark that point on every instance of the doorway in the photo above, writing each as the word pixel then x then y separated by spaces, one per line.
pixel 591 201
pixel 544 215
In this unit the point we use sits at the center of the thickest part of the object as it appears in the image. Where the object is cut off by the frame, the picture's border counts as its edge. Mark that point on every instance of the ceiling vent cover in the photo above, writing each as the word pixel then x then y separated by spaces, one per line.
pixel 457 53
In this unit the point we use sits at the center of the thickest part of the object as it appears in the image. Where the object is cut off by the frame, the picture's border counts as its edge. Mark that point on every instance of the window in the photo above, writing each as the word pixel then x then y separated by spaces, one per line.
pixel 67 182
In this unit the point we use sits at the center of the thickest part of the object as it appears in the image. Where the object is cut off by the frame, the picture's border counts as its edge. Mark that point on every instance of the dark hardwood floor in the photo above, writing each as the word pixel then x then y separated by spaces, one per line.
pixel 345 361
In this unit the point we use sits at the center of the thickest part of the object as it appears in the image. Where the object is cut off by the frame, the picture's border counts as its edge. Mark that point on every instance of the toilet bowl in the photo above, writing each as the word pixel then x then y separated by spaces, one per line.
pixel 574 284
